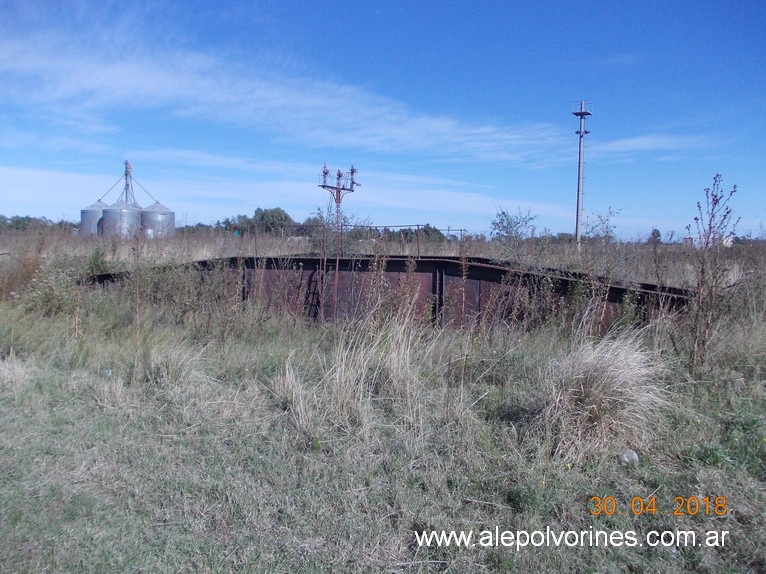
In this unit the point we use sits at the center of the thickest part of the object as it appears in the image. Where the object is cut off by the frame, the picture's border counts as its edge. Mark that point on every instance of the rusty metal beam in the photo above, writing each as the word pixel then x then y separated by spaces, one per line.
pixel 451 290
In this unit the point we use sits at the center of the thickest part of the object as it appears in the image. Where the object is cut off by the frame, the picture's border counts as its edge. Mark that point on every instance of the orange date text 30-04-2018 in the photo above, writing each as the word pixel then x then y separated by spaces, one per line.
pixel 638 506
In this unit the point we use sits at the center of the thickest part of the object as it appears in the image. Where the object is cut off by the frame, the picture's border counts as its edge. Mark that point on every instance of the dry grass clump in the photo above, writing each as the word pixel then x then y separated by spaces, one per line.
pixel 376 358
pixel 298 399
pixel 350 375
pixel 164 363
pixel 738 337
pixel 604 395
pixel 16 374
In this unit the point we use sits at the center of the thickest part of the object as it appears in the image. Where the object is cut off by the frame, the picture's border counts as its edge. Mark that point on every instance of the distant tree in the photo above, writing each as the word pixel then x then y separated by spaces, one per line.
pixel 511 230
pixel 65 225
pixel 431 233
pixel 264 220
pixel 314 220
pixel 228 224
pixel 406 234
pixel 24 222
pixel 409 234
pixel 243 223
pixel 272 220
pixel 512 227
pixel 312 225
pixel 363 232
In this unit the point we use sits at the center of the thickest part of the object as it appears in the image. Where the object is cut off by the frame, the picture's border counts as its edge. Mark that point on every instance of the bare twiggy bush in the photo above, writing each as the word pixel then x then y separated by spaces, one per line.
pixel 605 394
pixel 714 227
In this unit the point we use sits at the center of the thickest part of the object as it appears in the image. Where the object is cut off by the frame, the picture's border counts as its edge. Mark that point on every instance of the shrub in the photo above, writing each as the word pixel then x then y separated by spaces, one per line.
pixel 604 395
pixel 715 229
pixel 51 291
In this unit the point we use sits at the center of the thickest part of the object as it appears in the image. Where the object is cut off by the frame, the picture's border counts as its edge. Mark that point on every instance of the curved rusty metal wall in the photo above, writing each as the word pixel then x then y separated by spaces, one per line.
pixel 451 291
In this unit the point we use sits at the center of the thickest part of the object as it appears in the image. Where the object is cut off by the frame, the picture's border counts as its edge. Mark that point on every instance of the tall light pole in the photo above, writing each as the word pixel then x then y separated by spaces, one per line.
pixel 582 113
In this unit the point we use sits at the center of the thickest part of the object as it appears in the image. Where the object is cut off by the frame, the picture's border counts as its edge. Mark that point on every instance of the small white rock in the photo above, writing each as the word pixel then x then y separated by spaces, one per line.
pixel 628 457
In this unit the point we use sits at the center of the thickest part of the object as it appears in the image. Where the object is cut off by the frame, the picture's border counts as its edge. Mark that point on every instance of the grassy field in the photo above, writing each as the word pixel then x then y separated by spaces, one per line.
pixel 165 426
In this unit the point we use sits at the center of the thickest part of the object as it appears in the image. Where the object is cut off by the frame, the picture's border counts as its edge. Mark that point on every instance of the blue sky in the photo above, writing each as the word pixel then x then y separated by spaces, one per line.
pixel 449 109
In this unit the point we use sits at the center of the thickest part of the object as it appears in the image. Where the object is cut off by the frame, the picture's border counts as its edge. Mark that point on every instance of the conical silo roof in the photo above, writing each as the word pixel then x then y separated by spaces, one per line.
pixel 123 205
pixel 158 207
pixel 98 205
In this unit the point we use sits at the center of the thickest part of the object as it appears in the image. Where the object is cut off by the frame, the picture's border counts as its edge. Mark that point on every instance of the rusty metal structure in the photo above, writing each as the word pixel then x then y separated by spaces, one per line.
pixel 344 184
pixel 447 290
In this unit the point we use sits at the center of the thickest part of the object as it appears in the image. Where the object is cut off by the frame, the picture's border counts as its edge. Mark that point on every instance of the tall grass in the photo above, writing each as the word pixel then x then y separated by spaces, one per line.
pixel 164 425
pixel 634 261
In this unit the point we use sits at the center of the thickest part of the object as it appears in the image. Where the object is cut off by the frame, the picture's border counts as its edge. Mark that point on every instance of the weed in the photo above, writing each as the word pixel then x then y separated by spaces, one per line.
pixel 51 291
pixel 714 227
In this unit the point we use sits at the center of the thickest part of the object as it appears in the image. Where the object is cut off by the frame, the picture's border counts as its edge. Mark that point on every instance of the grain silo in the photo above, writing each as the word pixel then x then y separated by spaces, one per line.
pixel 158 221
pixel 90 217
pixel 121 219
pixel 125 218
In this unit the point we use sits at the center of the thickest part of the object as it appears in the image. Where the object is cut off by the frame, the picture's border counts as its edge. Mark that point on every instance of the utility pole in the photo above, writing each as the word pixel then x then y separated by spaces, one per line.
pixel 343 185
pixel 582 113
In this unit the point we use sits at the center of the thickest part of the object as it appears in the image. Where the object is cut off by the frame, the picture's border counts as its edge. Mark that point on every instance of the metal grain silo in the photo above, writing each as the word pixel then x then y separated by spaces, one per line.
pixel 121 219
pixel 89 218
pixel 158 221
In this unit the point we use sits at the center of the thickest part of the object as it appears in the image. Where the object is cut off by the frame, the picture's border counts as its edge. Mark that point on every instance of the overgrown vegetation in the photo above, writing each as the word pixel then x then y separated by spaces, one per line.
pixel 163 425
pixel 714 229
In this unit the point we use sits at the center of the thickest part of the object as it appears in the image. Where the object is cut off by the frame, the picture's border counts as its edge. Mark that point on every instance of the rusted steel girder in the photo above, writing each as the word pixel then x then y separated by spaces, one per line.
pixel 448 290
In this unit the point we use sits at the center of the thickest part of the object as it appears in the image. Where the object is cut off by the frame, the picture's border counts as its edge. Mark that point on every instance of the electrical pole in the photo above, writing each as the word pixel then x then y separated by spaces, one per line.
pixel 343 185
pixel 582 113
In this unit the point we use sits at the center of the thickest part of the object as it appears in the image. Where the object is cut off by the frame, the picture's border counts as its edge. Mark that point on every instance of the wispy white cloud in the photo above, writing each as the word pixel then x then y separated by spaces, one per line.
pixel 440 197
pixel 650 142
pixel 87 86
pixel 192 158
pixel 13 138
pixel 83 86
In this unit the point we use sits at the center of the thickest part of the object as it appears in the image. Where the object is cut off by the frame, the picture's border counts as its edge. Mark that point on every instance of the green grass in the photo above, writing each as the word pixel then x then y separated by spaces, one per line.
pixel 142 433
